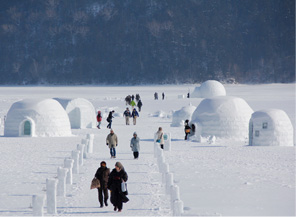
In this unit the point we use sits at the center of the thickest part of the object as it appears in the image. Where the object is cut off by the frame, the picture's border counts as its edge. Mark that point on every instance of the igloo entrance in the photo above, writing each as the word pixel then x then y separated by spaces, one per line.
pixel 27 127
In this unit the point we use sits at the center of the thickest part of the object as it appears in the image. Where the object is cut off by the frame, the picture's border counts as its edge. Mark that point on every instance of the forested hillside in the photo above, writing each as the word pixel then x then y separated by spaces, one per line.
pixel 146 41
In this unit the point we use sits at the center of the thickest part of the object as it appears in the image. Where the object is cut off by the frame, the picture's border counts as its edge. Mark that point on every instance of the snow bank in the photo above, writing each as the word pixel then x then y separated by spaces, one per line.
pixel 270 127
pixel 210 88
pixel 181 115
pixel 222 116
pixel 81 112
pixel 37 117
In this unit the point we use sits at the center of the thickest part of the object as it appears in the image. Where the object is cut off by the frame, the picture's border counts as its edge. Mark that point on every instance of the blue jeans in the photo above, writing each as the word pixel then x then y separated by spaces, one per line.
pixel 113 152
pixel 109 124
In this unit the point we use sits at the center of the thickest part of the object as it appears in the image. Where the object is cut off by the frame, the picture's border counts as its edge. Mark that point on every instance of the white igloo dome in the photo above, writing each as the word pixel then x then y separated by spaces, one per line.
pixel 181 115
pixel 37 117
pixel 210 88
pixel 270 127
pixel 81 112
pixel 223 116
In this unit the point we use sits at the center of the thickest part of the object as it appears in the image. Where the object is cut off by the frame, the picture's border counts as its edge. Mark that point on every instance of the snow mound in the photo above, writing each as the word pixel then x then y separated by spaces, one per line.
pixel 37 117
pixel 81 112
pixel 181 115
pixel 210 88
pixel 270 127
pixel 223 116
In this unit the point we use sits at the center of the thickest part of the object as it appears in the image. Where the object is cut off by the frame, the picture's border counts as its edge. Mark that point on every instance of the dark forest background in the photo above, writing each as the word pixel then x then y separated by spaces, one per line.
pixel 146 41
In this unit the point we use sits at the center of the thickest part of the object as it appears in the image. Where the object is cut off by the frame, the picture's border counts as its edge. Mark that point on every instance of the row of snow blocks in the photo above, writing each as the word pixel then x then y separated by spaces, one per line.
pixel 51 196
pixel 38 204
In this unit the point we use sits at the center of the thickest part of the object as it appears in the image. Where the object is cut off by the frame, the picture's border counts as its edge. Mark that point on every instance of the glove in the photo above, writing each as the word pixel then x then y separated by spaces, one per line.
pixel 106 143
pixel 116 144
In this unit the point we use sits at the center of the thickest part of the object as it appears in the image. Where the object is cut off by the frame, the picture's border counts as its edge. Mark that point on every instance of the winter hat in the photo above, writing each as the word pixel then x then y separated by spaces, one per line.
pixel 119 165
pixel 134 133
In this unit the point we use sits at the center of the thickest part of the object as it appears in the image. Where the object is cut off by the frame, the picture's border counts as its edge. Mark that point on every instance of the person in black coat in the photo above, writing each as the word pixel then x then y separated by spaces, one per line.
pixel 102 174
pixel 116 177
pixel 187 129
pixel 109 119
pixel 139 105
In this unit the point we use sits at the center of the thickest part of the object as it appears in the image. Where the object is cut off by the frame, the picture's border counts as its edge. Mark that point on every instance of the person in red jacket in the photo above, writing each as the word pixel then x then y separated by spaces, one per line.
pixel 99 119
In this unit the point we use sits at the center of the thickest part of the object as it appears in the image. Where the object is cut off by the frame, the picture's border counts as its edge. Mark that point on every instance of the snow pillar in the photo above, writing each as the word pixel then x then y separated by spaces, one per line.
pixel 75 157
pixel 85 143
pixel 165 171
pixel 169 183
pixel 178 208
pixel 81 149
pixel 90 137
pixel 51 196
pixel 61 188
pixel 68 163
pixel 38 204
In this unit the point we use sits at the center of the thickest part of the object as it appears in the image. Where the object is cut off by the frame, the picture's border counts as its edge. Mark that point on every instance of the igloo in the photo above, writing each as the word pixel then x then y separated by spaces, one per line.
pixel 81 112
pixel 210 88
pixel 37 117
pixel 270 127
pixel 181 115
pixel 222 116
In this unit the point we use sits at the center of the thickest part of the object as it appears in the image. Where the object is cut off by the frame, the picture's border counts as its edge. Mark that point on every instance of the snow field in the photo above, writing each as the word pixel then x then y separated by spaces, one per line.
pixel 225 178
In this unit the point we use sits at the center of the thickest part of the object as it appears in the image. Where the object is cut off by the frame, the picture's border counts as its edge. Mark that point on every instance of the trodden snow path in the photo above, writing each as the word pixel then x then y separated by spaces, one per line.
pixel 146 190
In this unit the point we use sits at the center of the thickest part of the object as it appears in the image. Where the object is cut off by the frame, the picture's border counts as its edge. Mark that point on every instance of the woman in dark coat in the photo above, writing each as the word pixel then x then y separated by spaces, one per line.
pixel 102 174
pixel 116 177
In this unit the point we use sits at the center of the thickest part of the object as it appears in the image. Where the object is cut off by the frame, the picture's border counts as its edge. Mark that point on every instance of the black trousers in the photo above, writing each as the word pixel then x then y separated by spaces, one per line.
pixel 136 154
pixel 101 192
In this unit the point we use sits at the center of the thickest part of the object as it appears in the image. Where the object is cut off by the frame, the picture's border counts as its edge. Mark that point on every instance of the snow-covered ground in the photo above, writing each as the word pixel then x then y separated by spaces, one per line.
pixel 225 178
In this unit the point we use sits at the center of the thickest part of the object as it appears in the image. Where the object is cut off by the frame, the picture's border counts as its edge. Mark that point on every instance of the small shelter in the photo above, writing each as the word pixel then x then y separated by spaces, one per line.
pixel 210 88
pixel 37 117
pixel 270 127
pixel 81 112
pixel 222 116
pixel 179 116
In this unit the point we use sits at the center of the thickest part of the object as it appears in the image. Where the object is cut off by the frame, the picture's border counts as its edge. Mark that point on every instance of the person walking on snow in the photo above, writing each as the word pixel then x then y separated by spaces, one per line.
pixel 109 119
pixel 133 104
pixel 99 119
pixel 116 177
pixel 102 175
pixel 187 129
pixel 112 143
pixel 127 115
pixel 139 105
pixel 134 115
pixel 160 137
pixel 134 144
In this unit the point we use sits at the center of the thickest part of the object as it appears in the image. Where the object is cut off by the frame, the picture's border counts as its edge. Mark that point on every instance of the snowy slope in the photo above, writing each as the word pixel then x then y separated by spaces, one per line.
pixel 225 178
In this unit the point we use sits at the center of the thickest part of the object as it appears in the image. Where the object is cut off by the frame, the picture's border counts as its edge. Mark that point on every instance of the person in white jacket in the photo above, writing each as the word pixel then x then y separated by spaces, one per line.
pixel 160 137
pixel 134 144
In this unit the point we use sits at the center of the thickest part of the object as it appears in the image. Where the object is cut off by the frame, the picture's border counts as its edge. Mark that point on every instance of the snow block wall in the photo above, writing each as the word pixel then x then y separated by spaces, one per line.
pixel 181 115
pixel 270 127
pixel 37 117
pixel 222 116
pixel 81 112
pixel 209 89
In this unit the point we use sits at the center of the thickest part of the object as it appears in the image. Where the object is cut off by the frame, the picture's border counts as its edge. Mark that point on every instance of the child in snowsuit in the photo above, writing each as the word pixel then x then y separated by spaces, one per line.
pixel 134 144
pixel 99 119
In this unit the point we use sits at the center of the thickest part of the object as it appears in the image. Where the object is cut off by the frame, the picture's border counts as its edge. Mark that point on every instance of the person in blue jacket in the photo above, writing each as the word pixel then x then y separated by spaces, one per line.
pixel 134 115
